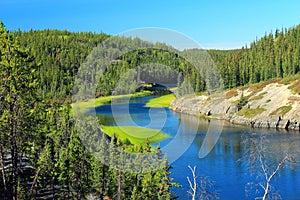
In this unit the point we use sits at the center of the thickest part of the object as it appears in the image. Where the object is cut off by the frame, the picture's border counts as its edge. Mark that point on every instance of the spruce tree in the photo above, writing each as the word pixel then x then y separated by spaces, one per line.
pixel 19 111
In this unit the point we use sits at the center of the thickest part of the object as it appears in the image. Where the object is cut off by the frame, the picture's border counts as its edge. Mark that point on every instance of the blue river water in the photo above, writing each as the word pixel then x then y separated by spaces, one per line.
pixel 228 165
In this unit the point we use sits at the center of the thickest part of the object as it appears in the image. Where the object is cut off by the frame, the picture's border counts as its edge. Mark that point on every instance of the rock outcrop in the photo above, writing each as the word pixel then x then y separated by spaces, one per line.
pixel 272 105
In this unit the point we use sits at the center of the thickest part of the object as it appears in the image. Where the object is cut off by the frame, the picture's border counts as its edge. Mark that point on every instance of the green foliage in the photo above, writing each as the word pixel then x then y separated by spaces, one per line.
pixel 272 56
pixel 136 135
pixel 250 112
pixel 257 97
pixel 42 130
pixel 202 115
pixel 242 102
pixel 83 106
pixel 288 80
pixel 20 114
pixel 58 55
pixel 295 87
pixel 161 101
pixel 269 100
pixel 281 110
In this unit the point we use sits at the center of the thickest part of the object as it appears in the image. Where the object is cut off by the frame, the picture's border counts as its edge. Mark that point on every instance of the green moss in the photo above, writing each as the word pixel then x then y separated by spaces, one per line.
pixel 295 87
pixel 257 97
pixel 202 115
pixel 268 100
pixel 162 101
pixel 250 112
pixel 136 135
pixel 289 79
pixel 281 110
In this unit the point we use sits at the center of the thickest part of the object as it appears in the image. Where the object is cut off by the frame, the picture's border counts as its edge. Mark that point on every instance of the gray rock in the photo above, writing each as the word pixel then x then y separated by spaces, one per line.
pixel 232 109
pixel 282 123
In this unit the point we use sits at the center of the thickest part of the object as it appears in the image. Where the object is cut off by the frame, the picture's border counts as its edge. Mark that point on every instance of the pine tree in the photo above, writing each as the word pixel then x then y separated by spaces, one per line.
pixel 18 110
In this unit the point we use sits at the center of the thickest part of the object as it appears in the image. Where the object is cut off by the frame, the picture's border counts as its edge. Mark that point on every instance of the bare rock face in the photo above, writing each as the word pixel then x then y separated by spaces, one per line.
pixel 188 105
pixel 272 106
pixel 232 109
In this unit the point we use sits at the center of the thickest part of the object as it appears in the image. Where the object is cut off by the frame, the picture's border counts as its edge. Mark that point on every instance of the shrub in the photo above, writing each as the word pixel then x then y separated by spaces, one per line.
pixel 250 112
pixel 242 102
pixel 281 110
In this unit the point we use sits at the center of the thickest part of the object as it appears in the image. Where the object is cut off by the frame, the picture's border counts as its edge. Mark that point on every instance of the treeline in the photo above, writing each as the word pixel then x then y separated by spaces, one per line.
pixel 59 54
pixel 42 155
pixel 275 55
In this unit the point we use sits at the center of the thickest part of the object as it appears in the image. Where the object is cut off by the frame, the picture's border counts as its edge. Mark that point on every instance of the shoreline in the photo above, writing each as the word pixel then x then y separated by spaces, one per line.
pixel 273 104
pixel 285 124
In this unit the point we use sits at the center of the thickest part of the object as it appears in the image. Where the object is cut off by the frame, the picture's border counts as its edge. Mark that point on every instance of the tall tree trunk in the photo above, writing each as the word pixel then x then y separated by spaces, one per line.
pixel 79 183
pixel 34 182
pixel 14 161
pixel 103 186
pixel 6 192
pixel 12 134
pixel 13 149
pixel 119 192
pixel 52 187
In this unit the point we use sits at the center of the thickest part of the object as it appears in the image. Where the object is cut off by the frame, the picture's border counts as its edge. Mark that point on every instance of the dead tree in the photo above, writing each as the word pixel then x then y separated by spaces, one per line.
pixel 193 185
pixel 200 187
pixel 260 164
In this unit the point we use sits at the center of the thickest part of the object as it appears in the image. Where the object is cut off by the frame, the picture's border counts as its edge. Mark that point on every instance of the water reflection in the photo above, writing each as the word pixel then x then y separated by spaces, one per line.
pixel 225 164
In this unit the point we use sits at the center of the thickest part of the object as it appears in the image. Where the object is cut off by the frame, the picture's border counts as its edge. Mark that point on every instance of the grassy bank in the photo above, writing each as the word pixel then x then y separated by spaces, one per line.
pixel 136 135
pixel 85 105
pixel 162 101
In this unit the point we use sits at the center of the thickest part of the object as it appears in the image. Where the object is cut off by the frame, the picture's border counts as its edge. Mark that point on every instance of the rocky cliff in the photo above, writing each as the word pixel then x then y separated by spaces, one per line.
pixel 271 104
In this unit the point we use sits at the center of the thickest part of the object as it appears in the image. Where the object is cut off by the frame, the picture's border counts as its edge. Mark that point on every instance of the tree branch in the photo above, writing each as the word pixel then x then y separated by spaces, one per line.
pixel 34 182
pixel 193 185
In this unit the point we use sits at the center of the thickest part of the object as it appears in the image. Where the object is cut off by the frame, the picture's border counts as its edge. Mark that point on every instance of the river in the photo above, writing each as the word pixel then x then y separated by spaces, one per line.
pixel 228 165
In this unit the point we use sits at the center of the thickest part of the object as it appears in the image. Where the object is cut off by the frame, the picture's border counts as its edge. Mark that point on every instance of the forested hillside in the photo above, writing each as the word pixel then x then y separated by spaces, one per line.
pixel 41 153
pixel 60 53
pixel 275 55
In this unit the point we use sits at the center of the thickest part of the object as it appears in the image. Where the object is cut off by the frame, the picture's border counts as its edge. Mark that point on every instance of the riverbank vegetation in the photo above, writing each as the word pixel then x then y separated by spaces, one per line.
pixel 161 101
pixel 281 111
pixel 83 106
pixel 136 135
pixel 250 112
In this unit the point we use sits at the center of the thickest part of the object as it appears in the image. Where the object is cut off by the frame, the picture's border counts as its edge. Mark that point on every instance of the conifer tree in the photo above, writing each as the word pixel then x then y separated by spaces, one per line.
pixel 19 110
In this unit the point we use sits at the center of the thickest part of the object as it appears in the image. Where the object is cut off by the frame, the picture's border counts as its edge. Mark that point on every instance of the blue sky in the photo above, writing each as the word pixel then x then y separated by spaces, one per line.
pixel 222 24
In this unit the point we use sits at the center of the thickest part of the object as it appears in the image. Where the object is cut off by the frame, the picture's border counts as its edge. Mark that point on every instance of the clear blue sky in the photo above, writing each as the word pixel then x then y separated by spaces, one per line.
pixel 222 24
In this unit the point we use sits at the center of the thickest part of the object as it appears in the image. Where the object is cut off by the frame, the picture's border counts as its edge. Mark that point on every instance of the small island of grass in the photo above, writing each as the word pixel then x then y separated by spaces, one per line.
pixel 136 135
pixel 162 101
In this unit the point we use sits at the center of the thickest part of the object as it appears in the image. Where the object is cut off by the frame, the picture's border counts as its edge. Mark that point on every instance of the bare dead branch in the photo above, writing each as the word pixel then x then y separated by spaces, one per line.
pixel 193 185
